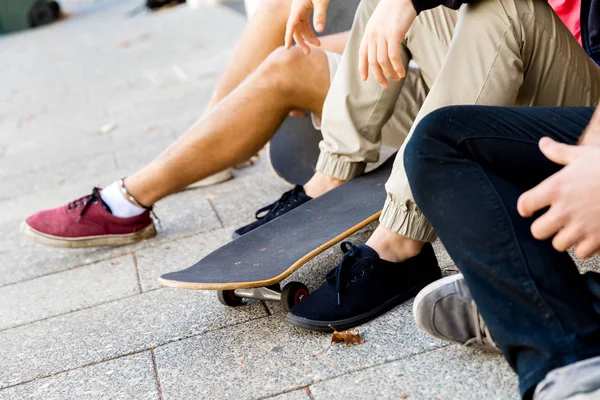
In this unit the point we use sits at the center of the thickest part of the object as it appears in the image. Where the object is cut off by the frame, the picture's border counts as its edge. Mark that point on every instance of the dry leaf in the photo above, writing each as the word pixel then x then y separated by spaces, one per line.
pixel 347 337
pixel 403 396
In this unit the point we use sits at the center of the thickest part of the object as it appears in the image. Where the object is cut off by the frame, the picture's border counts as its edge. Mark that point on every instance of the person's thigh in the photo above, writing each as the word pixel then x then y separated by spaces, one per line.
pixel 505 139
pixel 412 96
pixel 467 167
pixel 503 53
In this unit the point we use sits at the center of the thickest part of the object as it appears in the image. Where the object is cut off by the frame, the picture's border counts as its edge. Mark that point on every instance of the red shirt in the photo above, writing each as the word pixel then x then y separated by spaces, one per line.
pixel 569 11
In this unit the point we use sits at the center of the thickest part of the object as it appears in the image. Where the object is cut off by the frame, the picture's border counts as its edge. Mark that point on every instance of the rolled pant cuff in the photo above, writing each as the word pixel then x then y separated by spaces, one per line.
pixel 398 218
pixel 334 166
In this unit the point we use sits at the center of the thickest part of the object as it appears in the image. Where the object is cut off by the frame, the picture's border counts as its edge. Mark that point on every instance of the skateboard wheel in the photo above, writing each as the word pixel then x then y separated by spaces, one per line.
pixel 228 298
pixel 292 294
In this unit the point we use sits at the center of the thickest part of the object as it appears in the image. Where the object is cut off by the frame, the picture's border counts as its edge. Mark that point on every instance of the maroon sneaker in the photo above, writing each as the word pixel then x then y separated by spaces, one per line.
pixel 87 222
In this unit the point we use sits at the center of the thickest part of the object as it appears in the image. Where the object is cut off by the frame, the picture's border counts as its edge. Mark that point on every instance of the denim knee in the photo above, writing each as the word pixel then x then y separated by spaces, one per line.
pixel 424 150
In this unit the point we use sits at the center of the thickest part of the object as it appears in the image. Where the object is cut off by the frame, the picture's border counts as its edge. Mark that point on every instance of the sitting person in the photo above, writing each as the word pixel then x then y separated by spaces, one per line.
pixel 507 213
pixel 499 52
pixel 276 80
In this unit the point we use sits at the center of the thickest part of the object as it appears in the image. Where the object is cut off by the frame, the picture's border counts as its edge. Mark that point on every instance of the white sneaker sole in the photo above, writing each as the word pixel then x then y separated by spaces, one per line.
pixel 427 290
pixel 87 241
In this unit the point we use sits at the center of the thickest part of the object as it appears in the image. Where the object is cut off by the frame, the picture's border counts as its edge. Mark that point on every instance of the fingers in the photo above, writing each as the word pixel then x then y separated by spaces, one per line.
pixel 537 198
pixel 567 237
pixel 587 248
pixel 309 36
pixel 396 60
pixel 289 35
pixel 374 64
pixel 383 59
pixel 548 224
pixel 320 15
pixel 557 152
pixel 299 34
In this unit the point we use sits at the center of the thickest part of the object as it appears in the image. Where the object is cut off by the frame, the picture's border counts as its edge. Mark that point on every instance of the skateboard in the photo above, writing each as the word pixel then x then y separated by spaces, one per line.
pixel 294 150
pixel 252 265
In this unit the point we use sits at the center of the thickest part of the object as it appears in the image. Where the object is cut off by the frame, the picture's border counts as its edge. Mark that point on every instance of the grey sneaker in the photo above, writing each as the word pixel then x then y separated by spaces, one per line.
pixel 446 310
pixel 578 381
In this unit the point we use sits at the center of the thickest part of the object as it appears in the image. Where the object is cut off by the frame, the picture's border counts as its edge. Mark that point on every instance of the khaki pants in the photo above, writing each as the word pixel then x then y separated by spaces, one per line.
pixel 493 52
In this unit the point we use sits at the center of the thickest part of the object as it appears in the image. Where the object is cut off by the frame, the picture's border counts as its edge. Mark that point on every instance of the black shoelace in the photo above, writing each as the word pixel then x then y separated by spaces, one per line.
pixel 342 273
pixel 285 201
pixel 85 201
pixel 94 198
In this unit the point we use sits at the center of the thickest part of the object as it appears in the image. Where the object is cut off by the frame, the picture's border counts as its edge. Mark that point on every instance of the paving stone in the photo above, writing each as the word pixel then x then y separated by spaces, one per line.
pixel 87 172
pixel 182 214
pixel 449 373
pixel 267 357
pixel 300 394
pixel 110 330
pixel 130 377
pixel 67 291
pixel 176 255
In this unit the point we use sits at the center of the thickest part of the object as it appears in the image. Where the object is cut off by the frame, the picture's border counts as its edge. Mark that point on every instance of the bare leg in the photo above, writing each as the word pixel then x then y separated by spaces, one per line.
pixel 239 125
pixel 263 34
pixel 320 183
pixel 393 247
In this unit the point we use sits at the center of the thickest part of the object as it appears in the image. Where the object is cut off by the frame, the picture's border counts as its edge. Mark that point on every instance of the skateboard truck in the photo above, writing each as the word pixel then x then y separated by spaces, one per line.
pixel 292 294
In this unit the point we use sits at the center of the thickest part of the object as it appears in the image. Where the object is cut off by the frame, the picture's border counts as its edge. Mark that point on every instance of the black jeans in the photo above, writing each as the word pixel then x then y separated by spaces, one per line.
pixel 467 166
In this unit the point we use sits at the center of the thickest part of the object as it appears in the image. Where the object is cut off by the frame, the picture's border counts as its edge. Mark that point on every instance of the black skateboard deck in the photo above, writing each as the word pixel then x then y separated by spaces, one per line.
pixel 272 252
pixel 294 150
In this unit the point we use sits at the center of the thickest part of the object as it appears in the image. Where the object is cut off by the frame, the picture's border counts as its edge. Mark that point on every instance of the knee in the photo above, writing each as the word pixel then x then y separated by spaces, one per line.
pixel 277 70
pixel 428 146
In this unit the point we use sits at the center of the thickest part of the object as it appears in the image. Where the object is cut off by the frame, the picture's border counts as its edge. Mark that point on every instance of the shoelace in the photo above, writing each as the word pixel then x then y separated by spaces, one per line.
pixel 284 201
pixel 85 202
pixel 341 273
pixel 482 333
pixel 95 198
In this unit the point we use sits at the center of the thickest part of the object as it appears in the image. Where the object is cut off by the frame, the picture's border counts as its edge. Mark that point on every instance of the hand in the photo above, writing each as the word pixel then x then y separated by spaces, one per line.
pixel 573 195
pixel 591 135
pixel 380 47
pixel 298 25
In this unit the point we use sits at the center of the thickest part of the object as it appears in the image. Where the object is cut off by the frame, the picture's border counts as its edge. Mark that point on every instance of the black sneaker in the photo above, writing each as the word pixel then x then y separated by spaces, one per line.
pixel 288 201
pixel 362 287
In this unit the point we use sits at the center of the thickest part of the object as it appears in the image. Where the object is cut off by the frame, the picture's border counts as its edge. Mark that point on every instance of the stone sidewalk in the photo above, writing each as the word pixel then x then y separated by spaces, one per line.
pixel 93 98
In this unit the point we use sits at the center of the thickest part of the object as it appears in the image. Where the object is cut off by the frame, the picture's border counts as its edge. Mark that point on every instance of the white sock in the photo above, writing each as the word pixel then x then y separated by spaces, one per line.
pixel 119 205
